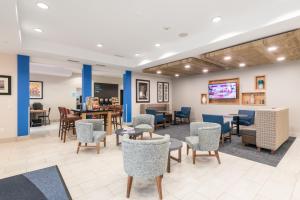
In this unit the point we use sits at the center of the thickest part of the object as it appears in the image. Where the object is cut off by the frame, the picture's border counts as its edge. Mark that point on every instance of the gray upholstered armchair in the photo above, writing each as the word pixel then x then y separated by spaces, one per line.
pixel 90 131
pixel 144 122
pixel 204 136
pixel 145 158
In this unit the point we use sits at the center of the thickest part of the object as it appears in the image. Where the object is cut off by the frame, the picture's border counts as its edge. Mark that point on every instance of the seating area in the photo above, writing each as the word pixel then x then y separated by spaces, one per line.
pixel 146 100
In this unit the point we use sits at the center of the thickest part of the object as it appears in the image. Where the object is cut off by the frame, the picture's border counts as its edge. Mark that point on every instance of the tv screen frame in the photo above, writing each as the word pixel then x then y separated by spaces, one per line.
pixel 223 98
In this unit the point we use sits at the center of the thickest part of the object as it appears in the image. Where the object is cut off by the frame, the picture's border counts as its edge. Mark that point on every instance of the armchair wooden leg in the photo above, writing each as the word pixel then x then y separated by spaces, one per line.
pixel 194 157
pixel 222 139
pixel 158 183
pixel 209 153
pixel 98 147
pixel 78 147
pixel 86 144
pixel 129 184
pixel 187 149
pixel 150 134
pixel 218 157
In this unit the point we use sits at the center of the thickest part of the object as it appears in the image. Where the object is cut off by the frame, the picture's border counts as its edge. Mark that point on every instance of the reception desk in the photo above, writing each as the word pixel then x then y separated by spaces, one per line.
pixel 105 113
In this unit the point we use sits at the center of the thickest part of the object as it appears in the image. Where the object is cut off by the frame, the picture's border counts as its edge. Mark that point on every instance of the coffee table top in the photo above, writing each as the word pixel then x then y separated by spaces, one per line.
pixel 175 144
pixel 134 131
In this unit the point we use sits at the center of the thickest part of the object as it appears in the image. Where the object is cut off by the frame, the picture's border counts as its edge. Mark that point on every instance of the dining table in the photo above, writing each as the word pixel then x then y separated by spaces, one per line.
pixel 237 116
pixel 107 116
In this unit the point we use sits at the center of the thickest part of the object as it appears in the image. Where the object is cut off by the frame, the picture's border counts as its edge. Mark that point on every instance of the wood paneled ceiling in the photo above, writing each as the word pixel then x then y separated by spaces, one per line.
pixel 253 53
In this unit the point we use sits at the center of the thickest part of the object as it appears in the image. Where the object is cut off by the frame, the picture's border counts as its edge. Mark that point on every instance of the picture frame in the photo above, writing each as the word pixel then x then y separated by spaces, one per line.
pixel 160 92
pixel 5 85
pixel 36 89
pixel 142 91
pixel 166 91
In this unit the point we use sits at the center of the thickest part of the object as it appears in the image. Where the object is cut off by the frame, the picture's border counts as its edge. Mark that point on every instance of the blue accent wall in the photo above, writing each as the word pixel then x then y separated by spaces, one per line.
pixel 127 98
pixel 23 95
pixel 86 82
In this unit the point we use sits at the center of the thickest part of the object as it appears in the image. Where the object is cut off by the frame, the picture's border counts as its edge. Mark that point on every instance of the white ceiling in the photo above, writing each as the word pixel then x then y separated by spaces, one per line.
pixel 72 29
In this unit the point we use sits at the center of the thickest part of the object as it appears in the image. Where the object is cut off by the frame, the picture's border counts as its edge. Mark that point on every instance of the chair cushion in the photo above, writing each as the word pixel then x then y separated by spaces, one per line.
pixel 144 127
pixel 98 136
pixel 193 142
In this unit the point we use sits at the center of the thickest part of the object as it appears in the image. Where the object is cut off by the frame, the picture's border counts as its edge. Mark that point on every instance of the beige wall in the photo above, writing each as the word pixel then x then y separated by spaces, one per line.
pixel 153 90
pixel 60 91
pixel 8 103
pixel 282 90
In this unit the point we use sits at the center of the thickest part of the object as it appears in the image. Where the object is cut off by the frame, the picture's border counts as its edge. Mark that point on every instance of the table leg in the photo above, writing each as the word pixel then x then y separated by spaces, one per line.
pixel 109 124
pixel 179 155
pixel 169 163
pixel 174 122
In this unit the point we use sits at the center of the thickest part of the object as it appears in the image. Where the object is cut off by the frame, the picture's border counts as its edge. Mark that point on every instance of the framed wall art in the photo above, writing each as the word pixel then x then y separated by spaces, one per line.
pixel 36 90
pixel 5 85
pixel 160 92
pixel 166 92
pixel 142 91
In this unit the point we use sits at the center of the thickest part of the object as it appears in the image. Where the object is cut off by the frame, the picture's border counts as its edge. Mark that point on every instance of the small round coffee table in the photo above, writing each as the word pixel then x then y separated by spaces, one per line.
pixel 174 145
pixel 133 134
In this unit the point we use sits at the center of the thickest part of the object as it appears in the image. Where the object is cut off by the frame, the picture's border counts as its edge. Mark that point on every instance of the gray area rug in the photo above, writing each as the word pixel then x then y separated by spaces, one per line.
pixel 43 184
pixel 235 148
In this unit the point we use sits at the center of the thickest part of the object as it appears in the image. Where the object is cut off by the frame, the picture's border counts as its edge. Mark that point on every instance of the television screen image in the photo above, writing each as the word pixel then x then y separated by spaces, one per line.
pixel 222 91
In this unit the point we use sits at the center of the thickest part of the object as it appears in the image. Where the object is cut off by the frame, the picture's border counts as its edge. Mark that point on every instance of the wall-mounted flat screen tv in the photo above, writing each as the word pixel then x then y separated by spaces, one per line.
pixel 222 91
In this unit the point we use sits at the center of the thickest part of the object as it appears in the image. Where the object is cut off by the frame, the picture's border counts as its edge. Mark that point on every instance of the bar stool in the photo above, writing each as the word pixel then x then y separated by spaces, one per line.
pixel 67 122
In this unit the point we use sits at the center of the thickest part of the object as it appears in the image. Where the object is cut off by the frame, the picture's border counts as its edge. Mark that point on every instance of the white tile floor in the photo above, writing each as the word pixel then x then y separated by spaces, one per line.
pixel 92 176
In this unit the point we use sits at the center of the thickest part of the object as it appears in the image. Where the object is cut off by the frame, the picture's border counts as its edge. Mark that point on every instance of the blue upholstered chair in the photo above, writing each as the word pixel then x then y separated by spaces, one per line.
pixel 247 120
pixel 204 136
pixel 225 126
pixel 144 122
pixel 159 119
pixel 90 131
pixel 184 113
pixel 145 159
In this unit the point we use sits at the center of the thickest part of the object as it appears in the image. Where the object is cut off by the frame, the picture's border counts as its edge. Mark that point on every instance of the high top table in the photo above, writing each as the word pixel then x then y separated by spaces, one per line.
pixel 106 113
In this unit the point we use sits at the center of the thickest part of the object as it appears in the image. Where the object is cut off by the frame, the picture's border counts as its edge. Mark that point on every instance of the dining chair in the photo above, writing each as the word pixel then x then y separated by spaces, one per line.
pixel 46 118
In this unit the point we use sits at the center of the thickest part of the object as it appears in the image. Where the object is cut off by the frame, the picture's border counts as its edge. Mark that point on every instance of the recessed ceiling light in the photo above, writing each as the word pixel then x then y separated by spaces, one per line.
pixel 166 28
pixel 157 45
pixel 99 45
pixel 216 19
pixel 242 64
pixel 281 58
pixel 176 75
pixel 272 48
pixel 38 30
pixel 158 72
pixel 42 5
pixel 205 70
pixel 137 54
pixel 187 66
pixel 227 58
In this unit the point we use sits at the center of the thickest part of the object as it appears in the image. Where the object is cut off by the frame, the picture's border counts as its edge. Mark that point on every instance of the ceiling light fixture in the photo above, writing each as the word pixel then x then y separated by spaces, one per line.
pixel 38 30
pixel 187 66
pixel 99 45
pixel 176 75
pixel 157 45
pixel 272 48
pixel 227 58
pixel 205 70
pixel 281 58
pixel 158 72
pixel 216 19
pixel 242 64
pixel 42 5
pixel 137 55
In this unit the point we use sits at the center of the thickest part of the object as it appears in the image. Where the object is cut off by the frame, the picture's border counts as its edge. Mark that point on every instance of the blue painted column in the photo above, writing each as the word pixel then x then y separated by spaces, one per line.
pixel 23 95
pixel 127 100
pixel 86 82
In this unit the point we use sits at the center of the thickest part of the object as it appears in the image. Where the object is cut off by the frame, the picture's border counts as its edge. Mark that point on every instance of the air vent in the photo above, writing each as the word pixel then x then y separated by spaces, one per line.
pixel 182 35
pixel 74 61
